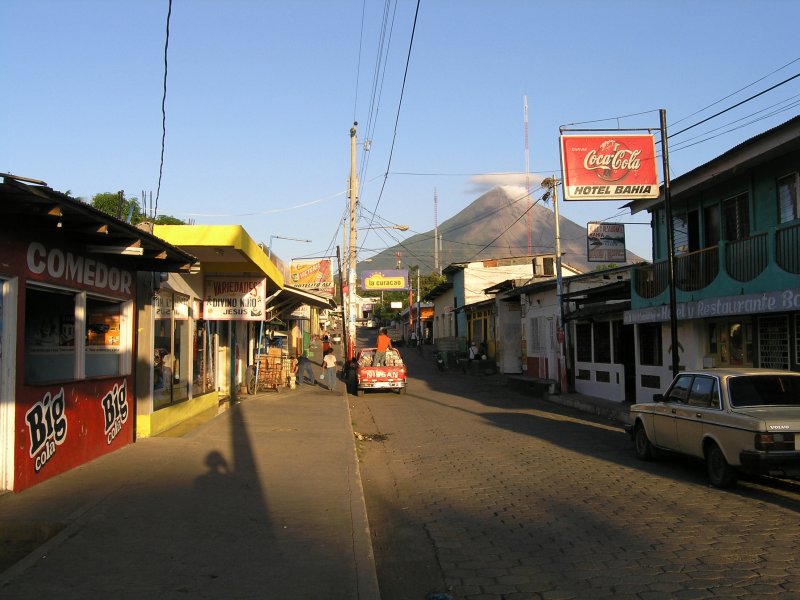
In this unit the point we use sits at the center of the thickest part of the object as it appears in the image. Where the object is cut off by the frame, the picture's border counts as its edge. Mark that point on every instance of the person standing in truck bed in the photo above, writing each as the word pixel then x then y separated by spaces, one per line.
pixel 381 346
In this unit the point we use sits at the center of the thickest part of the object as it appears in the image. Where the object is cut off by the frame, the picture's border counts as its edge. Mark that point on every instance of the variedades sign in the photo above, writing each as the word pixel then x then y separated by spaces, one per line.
pixel 234 299
pixel 609 167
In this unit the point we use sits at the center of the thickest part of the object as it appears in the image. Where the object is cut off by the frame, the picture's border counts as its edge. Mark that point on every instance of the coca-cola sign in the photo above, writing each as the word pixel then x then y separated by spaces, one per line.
pixel 609 167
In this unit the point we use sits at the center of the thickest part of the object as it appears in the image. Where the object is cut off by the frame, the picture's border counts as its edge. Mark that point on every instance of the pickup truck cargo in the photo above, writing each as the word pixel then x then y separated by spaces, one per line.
pixel 362 375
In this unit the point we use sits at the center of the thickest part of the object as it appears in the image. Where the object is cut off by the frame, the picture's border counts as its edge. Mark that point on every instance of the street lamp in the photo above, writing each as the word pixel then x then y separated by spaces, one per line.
pixel 280 237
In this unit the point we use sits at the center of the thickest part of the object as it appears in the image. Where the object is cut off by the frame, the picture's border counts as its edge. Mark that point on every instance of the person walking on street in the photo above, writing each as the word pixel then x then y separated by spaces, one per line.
pixel 326 343
pixel 329 369
pixel 381 346
pixel 305 370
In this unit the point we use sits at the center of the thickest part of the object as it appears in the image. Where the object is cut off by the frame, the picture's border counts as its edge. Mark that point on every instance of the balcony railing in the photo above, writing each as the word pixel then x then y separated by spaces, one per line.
pixel 746 259
pixel 740 260
pixel 787 249
pixel 696 270
pixel 651 280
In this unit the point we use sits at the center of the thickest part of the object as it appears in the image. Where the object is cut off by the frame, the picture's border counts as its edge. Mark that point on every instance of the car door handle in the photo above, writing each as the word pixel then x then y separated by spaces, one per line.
pixel 674 412
pixel 698 415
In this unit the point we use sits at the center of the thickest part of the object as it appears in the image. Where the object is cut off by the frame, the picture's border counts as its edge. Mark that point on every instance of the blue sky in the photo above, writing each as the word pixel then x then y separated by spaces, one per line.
pixel 261 96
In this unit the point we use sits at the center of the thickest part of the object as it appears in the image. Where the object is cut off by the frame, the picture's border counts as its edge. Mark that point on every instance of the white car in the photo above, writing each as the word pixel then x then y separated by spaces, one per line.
pixel 733 419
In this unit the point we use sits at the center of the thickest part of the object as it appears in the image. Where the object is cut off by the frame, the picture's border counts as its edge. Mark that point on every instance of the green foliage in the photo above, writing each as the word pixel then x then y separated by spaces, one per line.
pixel 116 205
pixel 168 220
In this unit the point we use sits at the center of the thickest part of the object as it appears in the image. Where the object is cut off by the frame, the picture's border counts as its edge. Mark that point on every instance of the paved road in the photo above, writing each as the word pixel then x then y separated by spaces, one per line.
pixel 483 494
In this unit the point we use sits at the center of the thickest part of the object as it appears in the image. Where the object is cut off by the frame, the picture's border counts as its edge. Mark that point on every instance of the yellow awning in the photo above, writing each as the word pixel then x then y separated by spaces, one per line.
pixel 222 249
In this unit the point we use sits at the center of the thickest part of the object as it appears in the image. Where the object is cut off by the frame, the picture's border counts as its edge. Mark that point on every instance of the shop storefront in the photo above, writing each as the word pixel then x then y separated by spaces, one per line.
pixel 67 323
pixel 205 327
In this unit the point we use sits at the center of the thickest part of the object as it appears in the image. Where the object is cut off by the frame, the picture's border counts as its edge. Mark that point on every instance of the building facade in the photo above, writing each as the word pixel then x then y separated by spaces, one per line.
pixel 68 323
pixel 736 274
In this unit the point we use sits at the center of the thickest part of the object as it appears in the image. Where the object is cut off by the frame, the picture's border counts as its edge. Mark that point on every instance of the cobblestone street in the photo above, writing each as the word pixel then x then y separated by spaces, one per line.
pixel 483 494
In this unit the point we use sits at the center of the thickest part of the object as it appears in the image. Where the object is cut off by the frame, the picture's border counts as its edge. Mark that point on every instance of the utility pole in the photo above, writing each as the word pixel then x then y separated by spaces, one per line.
pixel 341 296
pixel 551 183
pixel 436 232
pixel 352 194
pixel 419 311
pixel 673 315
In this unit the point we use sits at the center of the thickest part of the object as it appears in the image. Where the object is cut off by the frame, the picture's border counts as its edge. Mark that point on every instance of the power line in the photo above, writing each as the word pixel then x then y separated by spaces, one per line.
pixel 736 92
pixel 722 112
pixel 163 109
pixel 399 106
pixel 358 65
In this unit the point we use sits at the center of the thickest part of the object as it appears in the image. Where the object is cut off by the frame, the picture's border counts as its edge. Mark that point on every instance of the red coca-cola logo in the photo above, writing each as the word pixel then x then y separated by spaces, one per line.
pixel 612 160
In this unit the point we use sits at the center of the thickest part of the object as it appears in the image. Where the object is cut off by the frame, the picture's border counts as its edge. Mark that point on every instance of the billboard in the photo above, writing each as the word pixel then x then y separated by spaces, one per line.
pixel 605 242
pixel 609 167
pixel 312 275
pixel 384 280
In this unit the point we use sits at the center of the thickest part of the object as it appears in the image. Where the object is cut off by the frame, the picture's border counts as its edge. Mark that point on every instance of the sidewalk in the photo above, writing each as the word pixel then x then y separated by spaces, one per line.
pixel 262 501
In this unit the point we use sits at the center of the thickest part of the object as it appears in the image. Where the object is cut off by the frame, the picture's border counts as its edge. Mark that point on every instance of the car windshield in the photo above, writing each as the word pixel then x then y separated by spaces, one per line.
pixel 764 390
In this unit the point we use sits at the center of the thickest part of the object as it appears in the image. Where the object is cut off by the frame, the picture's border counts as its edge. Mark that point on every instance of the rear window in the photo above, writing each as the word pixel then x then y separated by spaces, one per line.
pixel 765 390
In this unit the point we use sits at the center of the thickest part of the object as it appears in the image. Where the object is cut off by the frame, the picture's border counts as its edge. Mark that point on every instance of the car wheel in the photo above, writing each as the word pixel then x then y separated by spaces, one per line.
pixel 641 443
pixel 720 473
pixel 401 390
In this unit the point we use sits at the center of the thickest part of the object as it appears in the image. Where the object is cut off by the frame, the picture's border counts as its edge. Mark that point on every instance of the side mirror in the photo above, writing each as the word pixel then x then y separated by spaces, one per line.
pixel 658 397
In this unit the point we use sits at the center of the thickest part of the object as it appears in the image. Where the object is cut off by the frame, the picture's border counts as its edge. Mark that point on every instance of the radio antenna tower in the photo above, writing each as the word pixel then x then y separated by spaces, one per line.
pixel 528 180
pixel 436 232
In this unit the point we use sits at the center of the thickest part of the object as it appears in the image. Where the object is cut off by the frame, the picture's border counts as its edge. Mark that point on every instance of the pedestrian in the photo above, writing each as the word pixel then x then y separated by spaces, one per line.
pixel 329 370
pixel 381 346
pixel 326 343
pixel 315 349
pixel 305 370
pixel 473 351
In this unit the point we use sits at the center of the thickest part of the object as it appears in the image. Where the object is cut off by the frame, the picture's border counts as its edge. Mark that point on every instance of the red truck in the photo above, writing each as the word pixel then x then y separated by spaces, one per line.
pixel 362 375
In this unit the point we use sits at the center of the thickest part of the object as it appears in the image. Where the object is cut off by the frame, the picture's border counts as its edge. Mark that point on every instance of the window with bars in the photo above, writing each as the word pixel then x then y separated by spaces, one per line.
pixel 602 342
pixel 536 336
pixel 650 344
pixel 583 342
pixel 736 215
pixel 773 343
pixel 788 198
pixel 797 339
pixel 680 233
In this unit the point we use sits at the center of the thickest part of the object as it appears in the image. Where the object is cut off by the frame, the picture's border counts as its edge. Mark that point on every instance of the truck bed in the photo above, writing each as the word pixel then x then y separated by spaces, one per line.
pixel 365 376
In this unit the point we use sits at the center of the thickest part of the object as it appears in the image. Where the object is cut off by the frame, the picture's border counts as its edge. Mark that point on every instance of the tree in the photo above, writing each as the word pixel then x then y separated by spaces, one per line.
pixel 116 205
pixel 128 209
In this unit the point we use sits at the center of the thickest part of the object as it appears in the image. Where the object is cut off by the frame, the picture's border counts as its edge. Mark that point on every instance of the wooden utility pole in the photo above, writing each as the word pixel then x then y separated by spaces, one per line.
pixel 352 194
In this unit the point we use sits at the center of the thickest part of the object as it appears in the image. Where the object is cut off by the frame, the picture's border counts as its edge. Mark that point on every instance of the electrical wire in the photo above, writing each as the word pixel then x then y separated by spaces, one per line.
pixel 358 64
pixel 399 107
pixel 163 110
pixel 722 112
pixel 749 85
